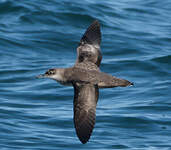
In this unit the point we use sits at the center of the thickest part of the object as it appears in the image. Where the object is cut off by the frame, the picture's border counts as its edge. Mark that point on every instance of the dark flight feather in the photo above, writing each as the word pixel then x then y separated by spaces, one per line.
pixel 92 35
pixel 85 100
pixel 89 46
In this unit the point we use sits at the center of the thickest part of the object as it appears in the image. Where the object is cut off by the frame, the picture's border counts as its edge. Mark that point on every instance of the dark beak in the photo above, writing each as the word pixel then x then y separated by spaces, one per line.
pixel 41 76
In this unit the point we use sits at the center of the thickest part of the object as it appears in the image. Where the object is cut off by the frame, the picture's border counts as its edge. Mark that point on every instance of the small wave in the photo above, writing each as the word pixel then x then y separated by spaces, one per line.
pixel 7 7
pixel 163 59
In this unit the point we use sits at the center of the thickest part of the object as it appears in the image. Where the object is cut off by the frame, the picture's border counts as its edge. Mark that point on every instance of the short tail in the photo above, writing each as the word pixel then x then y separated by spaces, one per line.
pixel 114 82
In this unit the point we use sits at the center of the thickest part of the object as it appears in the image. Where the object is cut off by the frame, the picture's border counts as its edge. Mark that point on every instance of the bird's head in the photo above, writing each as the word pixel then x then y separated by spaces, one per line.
pixel 55 74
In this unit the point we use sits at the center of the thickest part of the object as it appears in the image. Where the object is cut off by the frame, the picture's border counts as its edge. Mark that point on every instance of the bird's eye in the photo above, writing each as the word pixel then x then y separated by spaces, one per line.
pixel 50 72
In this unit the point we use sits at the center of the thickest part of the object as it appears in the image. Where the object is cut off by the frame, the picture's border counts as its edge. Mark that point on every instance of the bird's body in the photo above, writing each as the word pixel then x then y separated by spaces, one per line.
pixel 86 75
pixel 86 78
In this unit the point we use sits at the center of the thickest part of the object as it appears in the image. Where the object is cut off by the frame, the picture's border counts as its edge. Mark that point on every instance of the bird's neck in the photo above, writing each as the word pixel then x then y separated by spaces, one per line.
pixel 59 76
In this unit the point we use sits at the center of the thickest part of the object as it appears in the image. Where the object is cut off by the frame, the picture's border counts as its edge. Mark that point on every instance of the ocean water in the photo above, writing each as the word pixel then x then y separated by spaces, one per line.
pixel 36 114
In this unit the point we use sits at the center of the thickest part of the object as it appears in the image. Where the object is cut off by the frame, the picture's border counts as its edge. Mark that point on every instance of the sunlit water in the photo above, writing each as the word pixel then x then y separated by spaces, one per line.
pixel 136 45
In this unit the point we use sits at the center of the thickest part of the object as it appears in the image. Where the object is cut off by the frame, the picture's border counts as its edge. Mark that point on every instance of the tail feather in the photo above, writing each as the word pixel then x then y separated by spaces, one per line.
pixel 114 82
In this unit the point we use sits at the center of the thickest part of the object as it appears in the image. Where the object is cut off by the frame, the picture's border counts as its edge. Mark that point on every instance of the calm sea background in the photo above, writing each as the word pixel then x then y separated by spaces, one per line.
pixel 35 35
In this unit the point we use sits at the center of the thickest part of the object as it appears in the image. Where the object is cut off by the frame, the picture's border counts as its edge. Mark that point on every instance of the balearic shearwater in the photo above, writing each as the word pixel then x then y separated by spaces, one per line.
pixel 86 78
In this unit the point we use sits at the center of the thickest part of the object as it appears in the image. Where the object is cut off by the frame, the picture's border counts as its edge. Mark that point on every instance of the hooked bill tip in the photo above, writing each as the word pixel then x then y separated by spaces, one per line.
pixel 40 76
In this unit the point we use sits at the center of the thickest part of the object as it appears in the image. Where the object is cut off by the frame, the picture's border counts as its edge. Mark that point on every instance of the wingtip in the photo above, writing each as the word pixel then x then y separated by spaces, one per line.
pixel 96 22
pixel 83 141
pixel 84 138
pixel 93 34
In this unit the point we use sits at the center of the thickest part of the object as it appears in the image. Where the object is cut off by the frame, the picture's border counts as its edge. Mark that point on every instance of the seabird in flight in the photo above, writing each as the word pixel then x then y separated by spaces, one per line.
pixel 86 78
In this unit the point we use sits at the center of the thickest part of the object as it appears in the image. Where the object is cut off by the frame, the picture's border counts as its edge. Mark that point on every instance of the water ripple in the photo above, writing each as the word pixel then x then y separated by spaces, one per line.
pixel 36 36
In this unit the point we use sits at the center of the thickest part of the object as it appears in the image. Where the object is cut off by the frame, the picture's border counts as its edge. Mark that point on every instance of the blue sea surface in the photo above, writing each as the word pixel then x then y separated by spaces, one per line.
pixel 37 114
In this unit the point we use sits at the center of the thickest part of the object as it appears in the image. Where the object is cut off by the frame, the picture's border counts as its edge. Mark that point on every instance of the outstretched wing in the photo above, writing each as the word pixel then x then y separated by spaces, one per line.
pixel 85 99
pixel 89 46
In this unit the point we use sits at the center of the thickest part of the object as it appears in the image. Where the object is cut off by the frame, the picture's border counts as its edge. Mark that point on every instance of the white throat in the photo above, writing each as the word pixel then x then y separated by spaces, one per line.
pixel 58 77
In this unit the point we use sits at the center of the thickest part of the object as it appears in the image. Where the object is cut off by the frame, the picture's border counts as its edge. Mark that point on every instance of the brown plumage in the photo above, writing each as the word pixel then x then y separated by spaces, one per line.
pixel 85 100
pixel 86 78
pixel 89 46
